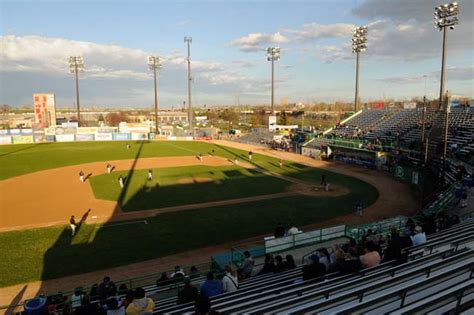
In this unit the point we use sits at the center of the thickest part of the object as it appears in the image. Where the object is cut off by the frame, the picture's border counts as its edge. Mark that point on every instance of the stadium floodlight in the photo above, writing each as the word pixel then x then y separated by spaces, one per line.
pixel 154 64
pixel 273 54
pixel 445 16
pixel 76 66
pixel 359 44
pixel 189 40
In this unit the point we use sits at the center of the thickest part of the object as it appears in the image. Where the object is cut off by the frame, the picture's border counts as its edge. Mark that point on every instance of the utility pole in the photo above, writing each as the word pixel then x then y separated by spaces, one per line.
pixel 189 40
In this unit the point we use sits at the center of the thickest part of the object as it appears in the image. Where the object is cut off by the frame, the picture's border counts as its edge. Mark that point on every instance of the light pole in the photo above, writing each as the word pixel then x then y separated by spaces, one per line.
pixel 154 64
pixel 189 40
pixel 273 54
pixel 76 65
pixel 445 16
pixel 359 43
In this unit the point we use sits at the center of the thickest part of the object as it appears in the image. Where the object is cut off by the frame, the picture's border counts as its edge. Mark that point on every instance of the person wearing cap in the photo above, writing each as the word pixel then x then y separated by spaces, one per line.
pixel 419 237
pixel 188 293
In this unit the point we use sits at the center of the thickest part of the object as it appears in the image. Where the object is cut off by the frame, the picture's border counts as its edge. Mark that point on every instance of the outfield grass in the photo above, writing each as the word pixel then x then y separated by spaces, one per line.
pixel 48 253
pixel 164 190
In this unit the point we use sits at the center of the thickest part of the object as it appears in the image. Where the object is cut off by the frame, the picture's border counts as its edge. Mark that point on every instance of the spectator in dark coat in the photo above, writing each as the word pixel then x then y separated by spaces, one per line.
pixel 279 230
pixel 314 269
pixel 338 262
pixel 290 262
pixel 89 309
pixel 188 293
pixel 107 288
pixel 268 266
pixel 351 264
pixel 279 265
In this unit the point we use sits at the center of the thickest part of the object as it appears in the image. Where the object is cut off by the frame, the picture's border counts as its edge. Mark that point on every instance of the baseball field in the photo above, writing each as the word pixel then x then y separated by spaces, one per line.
pixel 189 203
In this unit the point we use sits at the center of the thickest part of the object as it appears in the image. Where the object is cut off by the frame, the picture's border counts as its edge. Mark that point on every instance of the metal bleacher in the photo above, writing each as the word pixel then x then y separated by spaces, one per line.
pixel 438 275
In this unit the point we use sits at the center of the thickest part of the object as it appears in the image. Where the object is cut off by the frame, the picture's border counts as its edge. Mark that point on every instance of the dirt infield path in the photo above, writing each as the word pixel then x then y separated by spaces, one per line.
pixel 50 197
pixel 395 198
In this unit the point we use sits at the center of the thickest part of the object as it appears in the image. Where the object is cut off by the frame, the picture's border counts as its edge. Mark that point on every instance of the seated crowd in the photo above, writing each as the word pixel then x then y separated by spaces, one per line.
pixel 342 259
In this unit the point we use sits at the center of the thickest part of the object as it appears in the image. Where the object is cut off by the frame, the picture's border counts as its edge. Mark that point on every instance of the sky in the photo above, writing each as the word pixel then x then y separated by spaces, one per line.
pixel 228 51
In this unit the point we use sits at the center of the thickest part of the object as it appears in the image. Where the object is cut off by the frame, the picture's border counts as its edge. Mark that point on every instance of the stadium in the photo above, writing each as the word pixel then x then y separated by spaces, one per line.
pixel 172 215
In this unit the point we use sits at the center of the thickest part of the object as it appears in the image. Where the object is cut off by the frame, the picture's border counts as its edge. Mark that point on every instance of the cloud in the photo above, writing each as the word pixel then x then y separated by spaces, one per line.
pixel 314 31
pixel 453 73
pixel 118 74
pixel 256 41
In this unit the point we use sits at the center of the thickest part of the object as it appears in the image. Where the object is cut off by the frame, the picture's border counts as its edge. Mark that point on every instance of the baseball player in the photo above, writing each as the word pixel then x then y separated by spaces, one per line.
pixel 150 175
pixel 250 155
pixel 236 161
pixel 281 163
pixel 109 168
pixel 73 225
pixel 128 146
pixel 200 157
pixel 120 180
pixel 81 176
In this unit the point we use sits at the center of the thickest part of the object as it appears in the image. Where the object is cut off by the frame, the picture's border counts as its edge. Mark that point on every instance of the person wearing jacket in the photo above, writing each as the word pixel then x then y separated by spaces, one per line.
pixel 141 305
pixel 211 287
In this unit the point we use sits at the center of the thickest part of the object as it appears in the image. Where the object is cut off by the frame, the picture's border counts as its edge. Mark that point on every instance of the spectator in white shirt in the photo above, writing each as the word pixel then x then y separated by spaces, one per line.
pixel 419 237
pixel 292 230
pixel 229 281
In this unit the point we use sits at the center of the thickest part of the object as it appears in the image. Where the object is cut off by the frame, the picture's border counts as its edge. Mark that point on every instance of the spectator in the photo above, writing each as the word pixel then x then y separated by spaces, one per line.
pixel 279 230
pixel 178 274
pixel 248 265
pixel 229 281
pixel 394 247
pixel 314 269
pixel 268 266
pixel 202 305
pixel 128 298
pixel 113 307
pixel 141 304
pixel 122 289
pixel 324 257
pixel 94 293
pixel 371 257
pixel 211 287
pixel 293 230
pixel 290 262
pixel 194 272
pixel 76 298
pixel 351 264
pixel 279 265
pixel 419 237
pixel 87 308
pixel 188 293
pixel 338 262
pixel 107 288
pixel 164 280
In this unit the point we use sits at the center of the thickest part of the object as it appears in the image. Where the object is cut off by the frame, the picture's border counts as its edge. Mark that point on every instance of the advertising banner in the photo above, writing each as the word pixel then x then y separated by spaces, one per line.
pixel 410 105
pixel 14 131
pixel 65 138
pixel 3 132
pixel 103 136
pixel 122 136
pixel 22 139
pixel 5 140
pixel 139 136
pixel 106 129
pixel 26 131
pixel 87 130
pixel 45 109
pixel 85 137
pixel 43 138
pixel 379 105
